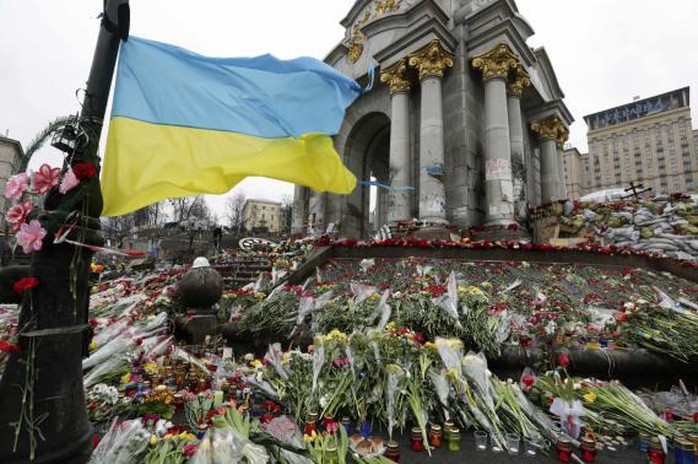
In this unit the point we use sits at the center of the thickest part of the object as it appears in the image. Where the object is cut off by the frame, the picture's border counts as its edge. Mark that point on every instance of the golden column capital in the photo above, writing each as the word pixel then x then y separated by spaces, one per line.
pixel 396 77
pixel 519 81
pixel 551 128
pixel 496 63
pixel 431 60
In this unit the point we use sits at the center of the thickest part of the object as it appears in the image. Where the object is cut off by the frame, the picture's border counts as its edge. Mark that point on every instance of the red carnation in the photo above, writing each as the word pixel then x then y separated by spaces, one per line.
pixel 6 347
pixel 563 360
pixel 25 284
pixel 84 170
pixel 528 380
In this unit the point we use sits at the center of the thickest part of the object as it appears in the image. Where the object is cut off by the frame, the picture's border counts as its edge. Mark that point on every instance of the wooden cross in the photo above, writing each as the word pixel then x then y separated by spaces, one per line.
pixel 636 193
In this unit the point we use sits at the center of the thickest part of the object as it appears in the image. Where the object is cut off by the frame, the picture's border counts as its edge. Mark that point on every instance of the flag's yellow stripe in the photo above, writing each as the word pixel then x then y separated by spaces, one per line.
pixel 145 163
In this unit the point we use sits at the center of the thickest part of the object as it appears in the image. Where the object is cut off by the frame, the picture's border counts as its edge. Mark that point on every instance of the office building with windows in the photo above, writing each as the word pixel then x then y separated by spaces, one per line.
pixel 648 141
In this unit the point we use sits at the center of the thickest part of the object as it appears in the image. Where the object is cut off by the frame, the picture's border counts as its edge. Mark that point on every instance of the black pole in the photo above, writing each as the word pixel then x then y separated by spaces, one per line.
pixel 42 405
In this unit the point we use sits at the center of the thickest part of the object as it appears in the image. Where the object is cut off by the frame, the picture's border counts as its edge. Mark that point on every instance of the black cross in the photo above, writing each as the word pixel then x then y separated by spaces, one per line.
pixel 636 193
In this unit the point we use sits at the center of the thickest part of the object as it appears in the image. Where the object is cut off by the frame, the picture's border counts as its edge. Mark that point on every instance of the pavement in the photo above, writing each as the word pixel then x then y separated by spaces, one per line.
pixel 469 455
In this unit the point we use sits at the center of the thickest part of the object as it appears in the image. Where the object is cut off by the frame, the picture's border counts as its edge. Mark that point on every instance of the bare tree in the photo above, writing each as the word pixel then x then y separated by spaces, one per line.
pixel 189 207
pixel 234 209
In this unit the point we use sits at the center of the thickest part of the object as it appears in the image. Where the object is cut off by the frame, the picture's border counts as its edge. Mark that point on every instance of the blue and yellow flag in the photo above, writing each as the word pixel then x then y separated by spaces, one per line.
pixel 184 124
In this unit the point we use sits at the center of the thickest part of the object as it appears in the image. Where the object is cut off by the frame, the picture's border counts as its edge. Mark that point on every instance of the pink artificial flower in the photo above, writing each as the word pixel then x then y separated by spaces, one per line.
pixel 69 182
pixel 17 215
pixel 16 185
pixel 45 179
pixel 31 236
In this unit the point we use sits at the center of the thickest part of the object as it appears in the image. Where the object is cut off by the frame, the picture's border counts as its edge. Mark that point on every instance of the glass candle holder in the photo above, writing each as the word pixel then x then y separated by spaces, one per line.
pixel 392 451
pixel 683 452
pixel 448 425
pixel 656 453
pixel 480 440
pixel 588 450
pixel 643 442
pixel 513 441
pixel 416 441
pixel 563 449
pixel 454 439
pixel 436 436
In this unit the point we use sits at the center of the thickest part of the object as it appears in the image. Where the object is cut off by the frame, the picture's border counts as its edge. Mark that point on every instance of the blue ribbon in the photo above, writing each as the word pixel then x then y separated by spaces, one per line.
pixel 375 183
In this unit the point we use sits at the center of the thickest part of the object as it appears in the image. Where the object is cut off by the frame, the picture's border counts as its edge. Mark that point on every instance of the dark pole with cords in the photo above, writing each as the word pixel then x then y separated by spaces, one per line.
pixel 42 405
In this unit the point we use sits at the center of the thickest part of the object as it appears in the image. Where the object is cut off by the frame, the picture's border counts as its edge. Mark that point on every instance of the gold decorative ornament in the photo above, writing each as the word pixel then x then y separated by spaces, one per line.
pixel 496 63
pixel 396 77
pixel 519 81
pixel 387 6
pixel 356 47
pixel 551 128
pixel 431 60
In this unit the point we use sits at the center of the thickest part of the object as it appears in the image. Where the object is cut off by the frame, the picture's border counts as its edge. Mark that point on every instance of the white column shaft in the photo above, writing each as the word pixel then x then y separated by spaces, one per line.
pixel 432 193
pixel 399 201
pixel 499 190
pixel 549 171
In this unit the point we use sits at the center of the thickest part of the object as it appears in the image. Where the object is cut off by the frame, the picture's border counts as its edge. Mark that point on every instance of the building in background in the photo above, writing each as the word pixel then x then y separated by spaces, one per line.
pixel 263 216
pixel 11 155
pixel 648 141
pixel 573 169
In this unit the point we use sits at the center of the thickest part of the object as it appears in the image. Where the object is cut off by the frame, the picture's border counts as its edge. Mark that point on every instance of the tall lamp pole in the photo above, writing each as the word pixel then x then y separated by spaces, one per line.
pixel 42 405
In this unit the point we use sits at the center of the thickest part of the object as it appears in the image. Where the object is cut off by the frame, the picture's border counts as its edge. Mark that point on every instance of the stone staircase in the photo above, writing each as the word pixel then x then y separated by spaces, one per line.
pixel 243 270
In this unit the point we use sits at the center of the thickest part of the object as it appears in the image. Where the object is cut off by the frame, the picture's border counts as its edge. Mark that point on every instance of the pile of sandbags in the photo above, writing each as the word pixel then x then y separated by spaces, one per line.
pixel 663 225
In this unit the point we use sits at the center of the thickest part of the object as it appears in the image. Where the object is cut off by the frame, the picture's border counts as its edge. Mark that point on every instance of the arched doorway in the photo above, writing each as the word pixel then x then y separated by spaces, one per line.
pixel 367 155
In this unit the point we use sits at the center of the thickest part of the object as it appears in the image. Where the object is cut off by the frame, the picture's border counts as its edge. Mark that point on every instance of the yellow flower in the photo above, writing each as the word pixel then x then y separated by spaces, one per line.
pixel 153 439
pixel 126 378
pixel 589 397
pixel 256 363
pixel 374 297
pixel 452 374
pixel 93 345
pixel 336 336
pixel 150 367
pixel 309 438
pixel 429 345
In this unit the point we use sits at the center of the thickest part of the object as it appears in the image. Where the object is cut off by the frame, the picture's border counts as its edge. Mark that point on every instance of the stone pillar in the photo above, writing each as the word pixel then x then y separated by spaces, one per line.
pixel 431 62
pixel 299 213
pixel 399 200
pixel 495 66
pixel 550 130
pixel 515 88
pixel 317 212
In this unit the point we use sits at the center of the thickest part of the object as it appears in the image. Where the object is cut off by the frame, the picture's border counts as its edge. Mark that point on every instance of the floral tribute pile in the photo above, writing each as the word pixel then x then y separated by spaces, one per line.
pixel 665 225
pixel 368 350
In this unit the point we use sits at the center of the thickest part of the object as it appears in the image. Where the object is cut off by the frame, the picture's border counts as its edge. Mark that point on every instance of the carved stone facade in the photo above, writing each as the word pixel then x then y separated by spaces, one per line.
pixel 458 130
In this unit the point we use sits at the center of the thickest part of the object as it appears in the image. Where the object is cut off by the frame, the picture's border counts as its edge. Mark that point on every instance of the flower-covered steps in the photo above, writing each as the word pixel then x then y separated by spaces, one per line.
pixel 243 270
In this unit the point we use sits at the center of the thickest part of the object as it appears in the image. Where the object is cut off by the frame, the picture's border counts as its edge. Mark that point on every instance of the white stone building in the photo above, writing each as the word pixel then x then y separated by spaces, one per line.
pixel 466 124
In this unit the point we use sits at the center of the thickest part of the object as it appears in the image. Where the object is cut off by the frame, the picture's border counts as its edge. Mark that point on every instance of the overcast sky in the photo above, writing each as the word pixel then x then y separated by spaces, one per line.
pixel 604 52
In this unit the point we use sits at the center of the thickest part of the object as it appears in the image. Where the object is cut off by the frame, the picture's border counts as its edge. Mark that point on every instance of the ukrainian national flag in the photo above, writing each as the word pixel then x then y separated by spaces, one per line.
pixel 184 124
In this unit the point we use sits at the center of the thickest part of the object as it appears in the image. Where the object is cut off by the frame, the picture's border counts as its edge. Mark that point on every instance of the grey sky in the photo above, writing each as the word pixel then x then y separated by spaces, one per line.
pixel 604 51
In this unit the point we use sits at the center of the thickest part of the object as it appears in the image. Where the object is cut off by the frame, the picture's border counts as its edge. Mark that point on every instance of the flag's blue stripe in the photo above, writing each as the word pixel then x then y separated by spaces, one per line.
pixel 262 96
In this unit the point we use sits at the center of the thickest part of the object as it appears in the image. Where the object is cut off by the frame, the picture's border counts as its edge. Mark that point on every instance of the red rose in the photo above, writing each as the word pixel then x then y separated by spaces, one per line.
pixel 528 380
pixel 189 450
pixel 25 284
pixel 84 170
pixel 563 360
pixel 6 347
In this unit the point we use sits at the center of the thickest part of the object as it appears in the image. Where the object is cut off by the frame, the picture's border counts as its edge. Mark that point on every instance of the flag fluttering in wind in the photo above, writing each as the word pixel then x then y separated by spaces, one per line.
pixel 184 124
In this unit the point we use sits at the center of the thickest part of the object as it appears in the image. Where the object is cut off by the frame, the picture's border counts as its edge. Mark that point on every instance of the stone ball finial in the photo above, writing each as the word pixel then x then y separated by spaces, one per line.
pixel 201 286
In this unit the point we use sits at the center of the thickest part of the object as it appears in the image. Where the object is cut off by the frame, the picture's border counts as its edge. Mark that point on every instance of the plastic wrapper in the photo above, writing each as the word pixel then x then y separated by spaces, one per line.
pixel 442 389
pixel 318 361
pixel 274 356
pixel 395 373
pixel 226 446
pixel 449 301
pixel 383 310
pixel 451 352
pixel 123 444
pixel 361 292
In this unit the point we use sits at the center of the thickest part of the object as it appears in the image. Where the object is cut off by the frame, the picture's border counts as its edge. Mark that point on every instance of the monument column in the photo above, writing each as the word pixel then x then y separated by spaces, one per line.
pixel 399 199
pixel 549 130
pixel 562 137
pixel 316 212
pixel 515 88
pixel 300 209
pixel 431 62
pixel 495 66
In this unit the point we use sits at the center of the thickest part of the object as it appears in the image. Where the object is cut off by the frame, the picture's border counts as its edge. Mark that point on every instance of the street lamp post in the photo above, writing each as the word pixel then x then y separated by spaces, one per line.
pixel 42 404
